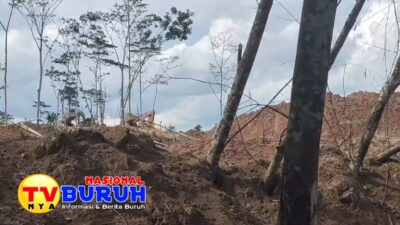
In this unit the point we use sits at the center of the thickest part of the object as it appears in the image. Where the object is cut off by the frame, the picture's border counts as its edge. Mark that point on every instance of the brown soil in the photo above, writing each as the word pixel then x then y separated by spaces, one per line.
pixel 179 188
pixel 380 196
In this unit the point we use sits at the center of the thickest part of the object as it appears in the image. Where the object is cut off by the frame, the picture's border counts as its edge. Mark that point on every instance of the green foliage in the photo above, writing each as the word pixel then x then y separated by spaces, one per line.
pixel 43 107
pixel 126 36
pixel 177 24
pixel 10 118
pixel 198 127
pixel 145 33
pixel 52 118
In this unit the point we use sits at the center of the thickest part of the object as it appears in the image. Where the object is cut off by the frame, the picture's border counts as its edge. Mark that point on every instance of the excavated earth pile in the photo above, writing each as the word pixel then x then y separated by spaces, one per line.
pixel 179 189
pixel 249 154
pixel 178 180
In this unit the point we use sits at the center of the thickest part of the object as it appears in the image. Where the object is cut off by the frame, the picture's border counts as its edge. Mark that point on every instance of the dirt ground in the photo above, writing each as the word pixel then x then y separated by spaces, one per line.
pixel 179 186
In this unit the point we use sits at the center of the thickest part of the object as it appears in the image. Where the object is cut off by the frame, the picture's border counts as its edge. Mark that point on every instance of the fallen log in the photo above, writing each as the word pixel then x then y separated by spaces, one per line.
pixel 30 130
pixel 385 156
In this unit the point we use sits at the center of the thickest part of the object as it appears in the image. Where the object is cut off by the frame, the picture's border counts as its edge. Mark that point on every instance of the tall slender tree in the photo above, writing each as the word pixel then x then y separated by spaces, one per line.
pixel 97 49
pixel 39 14
pixel 243 71
pixel 136 36
pixel 270 177
pixel 299 194
pixel 6 28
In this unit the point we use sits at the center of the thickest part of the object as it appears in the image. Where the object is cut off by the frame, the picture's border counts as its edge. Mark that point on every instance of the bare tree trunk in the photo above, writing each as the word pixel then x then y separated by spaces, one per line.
pixel 140 93
pixel 6 28
pixel 39 91
pixel 5 77
pixel 103 105
pixel 351 20
pixel 383 157
pixel 239 55
pixel 298 201
pixel 221 89
pixel 129 61
pixel 272 171
pixel 122 97
pixel 97 78
pixel 372 125
pixel 235 95
pixel 129 94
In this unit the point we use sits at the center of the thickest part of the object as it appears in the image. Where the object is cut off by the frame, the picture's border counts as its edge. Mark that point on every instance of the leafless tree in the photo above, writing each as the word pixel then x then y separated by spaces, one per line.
pixel 6 27
pixel 221 68
pixel 243 71
pixel 39 14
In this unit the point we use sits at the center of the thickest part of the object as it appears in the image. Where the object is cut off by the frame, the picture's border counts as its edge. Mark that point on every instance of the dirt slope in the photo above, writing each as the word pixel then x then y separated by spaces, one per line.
pixel 179 189
pixel 345 120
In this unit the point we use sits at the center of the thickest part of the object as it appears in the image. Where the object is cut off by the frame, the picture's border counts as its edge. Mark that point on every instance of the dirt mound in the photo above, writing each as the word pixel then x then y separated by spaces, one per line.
pixel 179 189
pixel 345 119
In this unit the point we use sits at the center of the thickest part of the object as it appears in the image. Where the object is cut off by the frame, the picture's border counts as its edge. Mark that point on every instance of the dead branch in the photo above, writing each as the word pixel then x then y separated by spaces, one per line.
pixel 385 156
pixel 30 130
pixel 259 112
pixel 245 146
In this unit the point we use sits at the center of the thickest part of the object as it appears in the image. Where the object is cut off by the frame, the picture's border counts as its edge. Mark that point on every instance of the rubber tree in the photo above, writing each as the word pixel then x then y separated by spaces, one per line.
pixel 235 95
pixel 298 200
pixel 6 28
pixel 373 121
pixel 271 175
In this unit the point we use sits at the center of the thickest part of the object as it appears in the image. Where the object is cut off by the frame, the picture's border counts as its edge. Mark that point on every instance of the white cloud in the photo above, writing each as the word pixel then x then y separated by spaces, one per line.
pixel 189 111
pixel 185 103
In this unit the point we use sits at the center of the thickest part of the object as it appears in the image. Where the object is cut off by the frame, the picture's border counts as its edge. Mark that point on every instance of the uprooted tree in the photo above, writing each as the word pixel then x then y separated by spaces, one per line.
pixel 243 71
pixel 299 194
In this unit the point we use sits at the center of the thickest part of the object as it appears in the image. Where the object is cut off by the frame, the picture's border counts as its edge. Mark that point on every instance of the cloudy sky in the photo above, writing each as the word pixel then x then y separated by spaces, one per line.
pixel 363 64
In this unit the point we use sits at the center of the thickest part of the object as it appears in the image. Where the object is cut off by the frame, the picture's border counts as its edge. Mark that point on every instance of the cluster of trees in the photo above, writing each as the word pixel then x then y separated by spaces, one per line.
pixel 126 37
